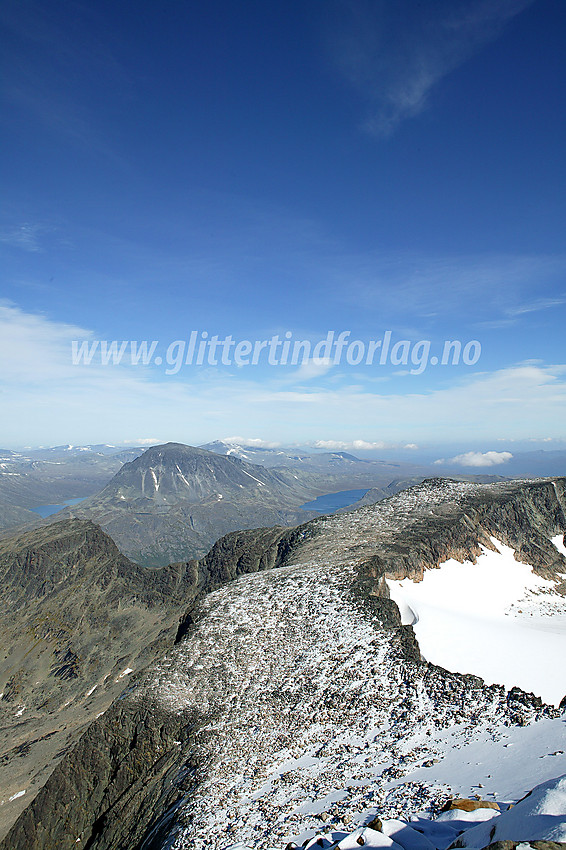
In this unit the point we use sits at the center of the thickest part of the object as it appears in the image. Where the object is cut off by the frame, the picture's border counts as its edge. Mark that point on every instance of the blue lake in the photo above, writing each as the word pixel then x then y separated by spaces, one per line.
pixel 332 501
pixel 47 510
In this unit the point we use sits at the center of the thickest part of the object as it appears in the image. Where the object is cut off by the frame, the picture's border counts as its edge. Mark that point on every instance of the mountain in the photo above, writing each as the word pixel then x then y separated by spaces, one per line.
pixel 296 705
pixel 175 473
pixel 79 620
pixel 64 452
pixel 174 501
pixel 7 455
pixel 13 516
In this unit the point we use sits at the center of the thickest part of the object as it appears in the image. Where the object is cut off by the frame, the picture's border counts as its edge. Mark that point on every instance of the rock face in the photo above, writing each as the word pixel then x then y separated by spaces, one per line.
pixel 174 501
pixel 457 517
pixel 536 845
pixel 78 620
pixel 293 680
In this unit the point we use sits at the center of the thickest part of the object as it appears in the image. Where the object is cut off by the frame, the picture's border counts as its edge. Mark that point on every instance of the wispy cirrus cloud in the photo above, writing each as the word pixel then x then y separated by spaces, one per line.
pixel 395 57
pixel 512 315
pixel 25 236
pixel 491 290
pixel 537 305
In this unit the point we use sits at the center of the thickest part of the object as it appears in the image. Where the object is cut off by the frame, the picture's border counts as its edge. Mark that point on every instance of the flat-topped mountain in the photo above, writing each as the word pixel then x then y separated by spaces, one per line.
pixel 175 501
pixel 175 473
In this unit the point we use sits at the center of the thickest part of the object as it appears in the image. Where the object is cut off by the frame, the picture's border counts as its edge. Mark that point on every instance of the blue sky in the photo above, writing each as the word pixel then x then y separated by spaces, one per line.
pixel 251 169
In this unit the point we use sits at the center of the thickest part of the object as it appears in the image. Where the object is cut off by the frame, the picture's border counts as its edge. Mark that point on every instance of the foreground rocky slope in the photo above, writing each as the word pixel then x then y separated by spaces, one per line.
pixel 295 697
pixel 77 618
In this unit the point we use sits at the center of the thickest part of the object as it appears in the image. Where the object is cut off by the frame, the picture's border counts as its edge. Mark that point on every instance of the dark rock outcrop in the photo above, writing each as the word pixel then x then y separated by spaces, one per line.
pixel 511 845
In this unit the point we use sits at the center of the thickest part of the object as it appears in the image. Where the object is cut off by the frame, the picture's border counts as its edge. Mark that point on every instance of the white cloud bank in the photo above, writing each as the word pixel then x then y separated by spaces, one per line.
pixel 359 445
pixel 341 445
pixel 47 400
pixel 478 459
pixel 255 442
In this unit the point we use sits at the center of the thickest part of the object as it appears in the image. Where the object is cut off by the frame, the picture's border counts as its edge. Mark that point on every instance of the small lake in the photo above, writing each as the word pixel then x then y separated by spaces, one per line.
pixel 332 501
pixel 47 510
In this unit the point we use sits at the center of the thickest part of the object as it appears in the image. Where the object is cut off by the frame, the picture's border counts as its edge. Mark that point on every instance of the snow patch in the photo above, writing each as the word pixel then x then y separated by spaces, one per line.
pixel 495 618
pixel 261 484
pixel 125 672
pixel 558 541
pixel 540 816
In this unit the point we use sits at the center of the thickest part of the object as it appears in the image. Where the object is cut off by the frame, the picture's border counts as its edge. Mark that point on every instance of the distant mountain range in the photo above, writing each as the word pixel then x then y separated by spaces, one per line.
pixel 177 519
pixel 321 461
pixel 174 501
pixel 52 475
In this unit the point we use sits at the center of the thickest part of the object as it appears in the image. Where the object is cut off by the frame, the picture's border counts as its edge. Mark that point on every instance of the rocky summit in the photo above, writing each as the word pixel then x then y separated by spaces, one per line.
pixel 296 708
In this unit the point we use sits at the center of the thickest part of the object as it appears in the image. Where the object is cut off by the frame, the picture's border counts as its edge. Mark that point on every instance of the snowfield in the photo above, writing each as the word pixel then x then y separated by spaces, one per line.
pixel 539 816
pixel 495 618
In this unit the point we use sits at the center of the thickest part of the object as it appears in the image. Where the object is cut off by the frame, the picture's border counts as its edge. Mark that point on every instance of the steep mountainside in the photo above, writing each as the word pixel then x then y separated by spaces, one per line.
pixel 12 516
pixel 296 697
pixel 174 501
pixel 77 617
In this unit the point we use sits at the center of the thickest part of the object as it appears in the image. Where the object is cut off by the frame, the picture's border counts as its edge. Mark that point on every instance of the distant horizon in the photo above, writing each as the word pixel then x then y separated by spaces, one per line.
pixel 442 459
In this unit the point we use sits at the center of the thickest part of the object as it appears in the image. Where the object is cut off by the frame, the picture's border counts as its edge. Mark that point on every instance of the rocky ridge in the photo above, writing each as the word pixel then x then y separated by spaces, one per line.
pixel 295 692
